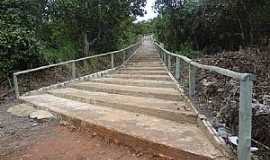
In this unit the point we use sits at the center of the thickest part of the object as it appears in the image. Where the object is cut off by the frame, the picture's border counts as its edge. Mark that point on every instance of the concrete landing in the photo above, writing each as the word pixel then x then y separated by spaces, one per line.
pixel 183 141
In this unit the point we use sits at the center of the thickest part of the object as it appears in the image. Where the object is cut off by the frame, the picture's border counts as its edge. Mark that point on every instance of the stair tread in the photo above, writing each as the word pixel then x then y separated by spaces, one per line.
pixel 144 68
pixel 152 103
pixel 138 81
pixel 185 137
pixel 161 72
pixel 140 76
pixel 127 88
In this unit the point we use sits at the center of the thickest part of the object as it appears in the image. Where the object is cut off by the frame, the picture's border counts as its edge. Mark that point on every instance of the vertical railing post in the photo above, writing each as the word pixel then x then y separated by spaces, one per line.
pixel 245 119
pixel 177 69
pixel 192 80
pixel 164 58
pixel 112 60
pixel 159 52
pixel 16 87
pixel 73 66
pixel 169 62
pixel 124 56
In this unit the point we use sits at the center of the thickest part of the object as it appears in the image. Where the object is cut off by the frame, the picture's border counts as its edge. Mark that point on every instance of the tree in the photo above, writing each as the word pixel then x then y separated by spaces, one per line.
pixel 38 32
pixel 211 26
pixel 18 39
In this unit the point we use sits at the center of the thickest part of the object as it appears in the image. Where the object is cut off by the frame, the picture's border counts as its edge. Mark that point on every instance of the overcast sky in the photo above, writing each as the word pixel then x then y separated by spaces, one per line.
pixel 150 11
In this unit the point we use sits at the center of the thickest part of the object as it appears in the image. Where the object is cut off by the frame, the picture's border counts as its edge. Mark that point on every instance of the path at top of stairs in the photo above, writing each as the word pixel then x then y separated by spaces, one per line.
pixel 139 105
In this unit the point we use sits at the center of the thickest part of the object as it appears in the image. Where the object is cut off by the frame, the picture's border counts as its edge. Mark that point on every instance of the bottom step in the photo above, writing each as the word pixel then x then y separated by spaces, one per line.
pixel 145 133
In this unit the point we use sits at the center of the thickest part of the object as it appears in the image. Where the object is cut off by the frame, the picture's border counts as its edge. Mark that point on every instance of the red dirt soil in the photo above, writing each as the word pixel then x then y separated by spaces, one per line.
pixel 63 143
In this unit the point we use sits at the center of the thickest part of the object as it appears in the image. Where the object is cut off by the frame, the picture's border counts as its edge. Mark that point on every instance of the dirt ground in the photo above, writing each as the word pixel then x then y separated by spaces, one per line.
pixel 26 139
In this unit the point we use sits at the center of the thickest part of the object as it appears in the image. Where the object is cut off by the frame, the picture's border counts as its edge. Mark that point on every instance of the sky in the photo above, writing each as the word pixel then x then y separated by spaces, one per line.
pixel 150 11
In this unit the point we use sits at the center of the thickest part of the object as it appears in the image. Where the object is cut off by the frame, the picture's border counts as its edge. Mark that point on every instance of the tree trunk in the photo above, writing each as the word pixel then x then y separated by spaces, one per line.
pixel 86 45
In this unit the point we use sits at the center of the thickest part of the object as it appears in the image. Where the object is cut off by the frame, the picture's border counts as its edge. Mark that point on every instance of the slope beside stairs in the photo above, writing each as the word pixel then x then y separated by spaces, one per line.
pixel 139 105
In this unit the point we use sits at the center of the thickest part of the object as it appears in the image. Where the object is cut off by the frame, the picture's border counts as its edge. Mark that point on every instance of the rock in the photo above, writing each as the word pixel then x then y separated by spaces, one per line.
pixel 34 124
pixel 64 123
pixel 261 109
pixel 21 110
pixel 94 134
pixel 40 115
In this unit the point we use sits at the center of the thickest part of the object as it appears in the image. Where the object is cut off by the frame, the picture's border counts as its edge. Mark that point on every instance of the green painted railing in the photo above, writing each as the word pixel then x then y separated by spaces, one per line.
pixel 246 85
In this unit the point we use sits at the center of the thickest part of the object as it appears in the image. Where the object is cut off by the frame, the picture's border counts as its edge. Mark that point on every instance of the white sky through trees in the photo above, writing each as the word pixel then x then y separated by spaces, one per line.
pixel 150 11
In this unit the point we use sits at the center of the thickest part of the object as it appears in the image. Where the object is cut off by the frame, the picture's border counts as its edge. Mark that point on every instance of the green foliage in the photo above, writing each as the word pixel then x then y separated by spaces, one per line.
pixel 144 27
pixel 19 47
pixel 185 49
pixel 102 21
pixel 67 50
pixel 38 32
pixel 212 26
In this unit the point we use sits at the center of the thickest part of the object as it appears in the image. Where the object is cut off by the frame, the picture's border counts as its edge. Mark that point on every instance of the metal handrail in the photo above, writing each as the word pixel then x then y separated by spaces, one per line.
pixel 246 85
pixel 71 61
pixel 223 71
pixel 73 64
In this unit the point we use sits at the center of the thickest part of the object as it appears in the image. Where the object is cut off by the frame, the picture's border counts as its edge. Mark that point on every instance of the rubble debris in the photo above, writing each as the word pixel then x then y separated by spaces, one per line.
pixel 41 115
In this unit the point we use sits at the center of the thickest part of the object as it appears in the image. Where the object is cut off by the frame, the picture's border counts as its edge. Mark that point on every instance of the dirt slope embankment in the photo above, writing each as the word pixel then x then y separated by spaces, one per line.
pixel 221 95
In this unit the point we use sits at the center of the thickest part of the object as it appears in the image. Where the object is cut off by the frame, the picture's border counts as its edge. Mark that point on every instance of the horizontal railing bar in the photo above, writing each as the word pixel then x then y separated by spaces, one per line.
pixel 43 67
pixel 71 61
pixel 223 71
pixel 108 53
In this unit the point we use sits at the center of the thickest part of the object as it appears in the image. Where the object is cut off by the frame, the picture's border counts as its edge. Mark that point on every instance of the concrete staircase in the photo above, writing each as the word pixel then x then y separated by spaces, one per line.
pixel 138 105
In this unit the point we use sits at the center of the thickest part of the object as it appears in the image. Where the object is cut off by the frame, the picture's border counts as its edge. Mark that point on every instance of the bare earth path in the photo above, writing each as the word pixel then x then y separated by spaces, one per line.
pixel 24 139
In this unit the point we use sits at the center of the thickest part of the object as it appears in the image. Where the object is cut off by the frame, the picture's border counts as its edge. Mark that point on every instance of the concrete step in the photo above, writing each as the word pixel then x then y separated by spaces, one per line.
pixel 170 110
pixel 143 56
pixel 144 65
pixel 145 60
pixel 147 134
pixel 141 76
pixel 135 82
pixel 161 72
pixel 162 93
pixel 162 68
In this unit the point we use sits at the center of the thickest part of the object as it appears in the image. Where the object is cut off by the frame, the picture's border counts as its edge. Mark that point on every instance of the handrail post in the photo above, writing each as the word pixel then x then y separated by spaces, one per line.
pixel 192 80
pixel 169 62
pixel 245 119
pixel 177 69
pixel 164 58
pixel 124 56
pixel 73 64
pixel 112 60
pixel 16 87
